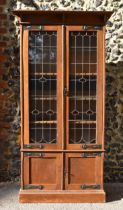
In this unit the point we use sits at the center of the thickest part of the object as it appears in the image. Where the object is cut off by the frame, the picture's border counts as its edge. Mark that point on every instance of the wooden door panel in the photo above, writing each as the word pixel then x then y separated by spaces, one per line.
pixel 82 171
pixel 42 170
pixel 78 172
pixel 47 166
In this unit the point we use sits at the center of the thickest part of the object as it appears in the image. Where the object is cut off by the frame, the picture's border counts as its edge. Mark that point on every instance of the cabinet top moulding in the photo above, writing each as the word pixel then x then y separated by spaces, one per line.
pixel 59 17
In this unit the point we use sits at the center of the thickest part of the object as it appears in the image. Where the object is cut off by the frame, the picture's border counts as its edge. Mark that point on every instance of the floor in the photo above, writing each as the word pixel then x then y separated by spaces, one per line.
pixel 9 200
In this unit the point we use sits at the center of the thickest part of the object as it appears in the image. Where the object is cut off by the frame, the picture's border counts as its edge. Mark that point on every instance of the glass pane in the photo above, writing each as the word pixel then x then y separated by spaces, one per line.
pixel 43 86
pixel 82 87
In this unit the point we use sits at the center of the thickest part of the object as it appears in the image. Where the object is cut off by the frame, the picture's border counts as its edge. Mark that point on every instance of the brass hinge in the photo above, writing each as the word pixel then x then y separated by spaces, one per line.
pixel 97 146
pixel 33 187
pixel 30 154
pixel 24 23
pixel 91 154
pixel 85 28
pixel 94 187
pixel 98 27
pixel 29 146
pixel 38 27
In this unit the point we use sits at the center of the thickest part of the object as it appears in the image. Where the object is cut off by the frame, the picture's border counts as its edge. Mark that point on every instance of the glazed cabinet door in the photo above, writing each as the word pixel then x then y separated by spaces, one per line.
pixel 83 171
pixel 42 171
pixel 85 88
pixel 43 91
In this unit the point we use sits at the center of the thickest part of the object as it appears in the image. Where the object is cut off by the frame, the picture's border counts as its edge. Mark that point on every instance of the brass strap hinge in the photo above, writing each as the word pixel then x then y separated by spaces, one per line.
pixel 24 23
pixel 96 146
pixel 98 27
pixel 31 154
pixel 33 187
pixel 85 28
pixel 91 154
pixel 29 146
pixel 27 25
pixel 94 187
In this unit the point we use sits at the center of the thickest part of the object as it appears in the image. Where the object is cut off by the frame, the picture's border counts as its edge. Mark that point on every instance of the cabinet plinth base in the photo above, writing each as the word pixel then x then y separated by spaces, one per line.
pixel 88 196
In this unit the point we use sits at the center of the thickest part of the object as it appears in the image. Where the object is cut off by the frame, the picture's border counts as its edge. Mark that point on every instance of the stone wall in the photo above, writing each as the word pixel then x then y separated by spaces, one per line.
pixel 9 82
pixel 9 95
pixel 114 124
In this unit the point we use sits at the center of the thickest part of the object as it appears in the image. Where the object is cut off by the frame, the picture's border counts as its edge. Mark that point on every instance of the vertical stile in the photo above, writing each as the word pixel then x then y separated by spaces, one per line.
pixel 60 83
pixel 26 85
pixel 100 85
pixel 63 105
pixel 67 85
pixel 21 99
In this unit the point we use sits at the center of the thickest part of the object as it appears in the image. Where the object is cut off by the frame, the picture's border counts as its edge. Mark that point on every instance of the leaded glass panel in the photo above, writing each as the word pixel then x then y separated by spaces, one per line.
pixel 43 86
pixel 82 87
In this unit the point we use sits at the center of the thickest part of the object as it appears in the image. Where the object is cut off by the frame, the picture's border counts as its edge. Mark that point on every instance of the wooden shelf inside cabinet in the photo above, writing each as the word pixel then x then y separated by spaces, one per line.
pixel 83 98
pixel 43 122
pixel 45 74
pixel 84 74
pixel 82 122
pixel 62 105
pixel 44 98
pixel 71 97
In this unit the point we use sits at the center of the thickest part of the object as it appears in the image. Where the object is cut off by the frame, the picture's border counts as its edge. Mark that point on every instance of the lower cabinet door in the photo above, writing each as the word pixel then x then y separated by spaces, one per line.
pixel 83 171
pixel 42 171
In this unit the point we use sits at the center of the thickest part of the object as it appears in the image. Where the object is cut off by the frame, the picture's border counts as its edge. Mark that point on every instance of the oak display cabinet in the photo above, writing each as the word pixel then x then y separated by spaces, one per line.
pixel 62 89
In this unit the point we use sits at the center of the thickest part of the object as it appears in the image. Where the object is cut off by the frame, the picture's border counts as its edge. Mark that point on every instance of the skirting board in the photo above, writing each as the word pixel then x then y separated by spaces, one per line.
pixel 88 196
